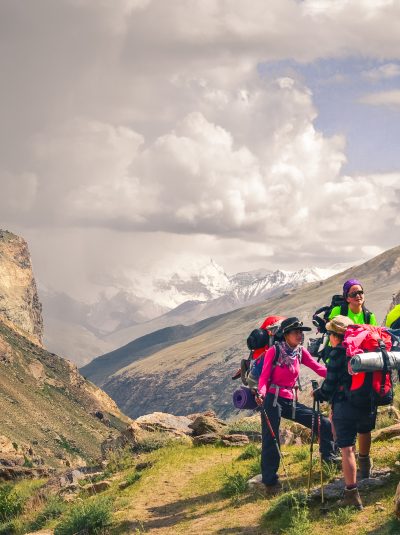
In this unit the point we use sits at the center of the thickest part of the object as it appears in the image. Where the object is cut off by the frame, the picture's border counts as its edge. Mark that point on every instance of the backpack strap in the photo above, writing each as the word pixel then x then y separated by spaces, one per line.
pixel 386 363
pixel 367 315
pixel 344 309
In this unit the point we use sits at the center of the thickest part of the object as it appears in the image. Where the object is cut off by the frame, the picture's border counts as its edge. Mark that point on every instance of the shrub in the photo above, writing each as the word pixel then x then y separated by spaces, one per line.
pixel 234 485
pixel 289 514
pixel 132 478
pixel 301 454
pixel 53 509
pixel 90 517
pixel 250 452
pixel 11 503
pixel 153 441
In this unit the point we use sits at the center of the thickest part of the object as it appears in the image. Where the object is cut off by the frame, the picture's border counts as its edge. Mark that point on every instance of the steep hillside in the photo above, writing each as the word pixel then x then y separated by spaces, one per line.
pixel 48 406
pixel 194 374
pixel 100 369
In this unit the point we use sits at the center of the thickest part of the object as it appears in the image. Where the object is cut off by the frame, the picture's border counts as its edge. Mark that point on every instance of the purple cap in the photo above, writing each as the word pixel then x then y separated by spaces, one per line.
pixel 348 284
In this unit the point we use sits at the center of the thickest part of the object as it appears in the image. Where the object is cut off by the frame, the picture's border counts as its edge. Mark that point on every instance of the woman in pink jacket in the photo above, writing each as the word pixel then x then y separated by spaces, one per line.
pixel 278 388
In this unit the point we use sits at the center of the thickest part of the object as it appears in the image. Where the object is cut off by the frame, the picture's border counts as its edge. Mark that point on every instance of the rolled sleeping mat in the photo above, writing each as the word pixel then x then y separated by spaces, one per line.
pixel 371 362
pixel 243 398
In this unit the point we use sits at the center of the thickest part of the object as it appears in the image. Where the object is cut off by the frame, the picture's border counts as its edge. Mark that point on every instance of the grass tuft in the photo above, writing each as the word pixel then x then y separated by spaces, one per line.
pixel 250 452
pixel 89 518
pixel 234 485
pixel 11 503
pixel 344 515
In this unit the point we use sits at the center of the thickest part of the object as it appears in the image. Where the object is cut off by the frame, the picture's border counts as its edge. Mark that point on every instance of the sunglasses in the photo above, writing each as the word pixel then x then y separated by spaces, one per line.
pixel 354 294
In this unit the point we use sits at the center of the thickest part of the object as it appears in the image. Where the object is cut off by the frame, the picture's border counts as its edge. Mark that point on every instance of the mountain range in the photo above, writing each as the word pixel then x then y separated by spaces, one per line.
pixel 81 331
pixel 184 369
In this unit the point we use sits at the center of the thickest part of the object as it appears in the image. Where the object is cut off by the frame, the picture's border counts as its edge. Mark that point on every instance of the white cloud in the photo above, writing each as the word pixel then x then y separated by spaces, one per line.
pixel 382 98
pixel 386 71
pixel 143 116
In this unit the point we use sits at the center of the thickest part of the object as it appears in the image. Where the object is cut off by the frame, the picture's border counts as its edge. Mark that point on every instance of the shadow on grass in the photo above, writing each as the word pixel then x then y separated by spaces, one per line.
pixel 391 527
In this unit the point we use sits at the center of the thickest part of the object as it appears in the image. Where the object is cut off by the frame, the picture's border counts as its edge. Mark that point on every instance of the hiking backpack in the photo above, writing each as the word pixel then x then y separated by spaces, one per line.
pixel 318 346
pixel 336 301
pixel 258 341
pixel 369 389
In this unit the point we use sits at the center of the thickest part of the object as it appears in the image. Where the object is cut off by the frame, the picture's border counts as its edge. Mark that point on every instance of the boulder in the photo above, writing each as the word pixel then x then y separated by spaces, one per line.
pixel 203 425
pixel 397 502
pixel 112 444
pixel 208 438
pixel 390 411
pixel 133 433
pixel 161 421
pixel 334 490
pixel 386 433
pixel 234 440
pixel 98 486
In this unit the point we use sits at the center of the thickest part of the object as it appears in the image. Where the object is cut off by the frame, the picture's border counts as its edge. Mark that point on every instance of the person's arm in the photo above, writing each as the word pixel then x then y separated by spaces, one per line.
pixel 335 368
pixel 308 361
pixel 265 377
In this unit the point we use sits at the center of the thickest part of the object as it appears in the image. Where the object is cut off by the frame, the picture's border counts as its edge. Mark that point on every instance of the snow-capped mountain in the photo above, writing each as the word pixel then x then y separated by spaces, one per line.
pixel 184 296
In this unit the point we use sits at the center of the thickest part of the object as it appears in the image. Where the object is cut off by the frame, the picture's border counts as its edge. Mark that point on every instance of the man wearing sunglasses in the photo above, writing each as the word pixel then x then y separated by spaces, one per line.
pixel 354 307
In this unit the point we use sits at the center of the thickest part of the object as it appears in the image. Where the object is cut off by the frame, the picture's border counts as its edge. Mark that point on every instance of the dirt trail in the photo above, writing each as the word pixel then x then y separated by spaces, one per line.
pixel 168 503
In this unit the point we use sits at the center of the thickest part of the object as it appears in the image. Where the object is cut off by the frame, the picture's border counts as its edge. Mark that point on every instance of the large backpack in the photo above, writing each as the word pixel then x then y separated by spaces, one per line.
pixel 369 389
pixel 336 301
pixel 318 347
pixel 258 341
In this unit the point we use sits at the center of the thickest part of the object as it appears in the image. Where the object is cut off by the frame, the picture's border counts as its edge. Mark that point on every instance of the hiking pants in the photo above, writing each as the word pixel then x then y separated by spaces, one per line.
pixel 269 452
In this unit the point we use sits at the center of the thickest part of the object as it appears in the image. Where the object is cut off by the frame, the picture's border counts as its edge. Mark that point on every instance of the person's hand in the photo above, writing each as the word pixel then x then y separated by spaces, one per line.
pixel 259 399
pixel 317 395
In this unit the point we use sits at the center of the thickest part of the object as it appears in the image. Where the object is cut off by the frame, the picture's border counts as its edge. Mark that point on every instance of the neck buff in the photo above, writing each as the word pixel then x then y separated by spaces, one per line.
pixel 288 355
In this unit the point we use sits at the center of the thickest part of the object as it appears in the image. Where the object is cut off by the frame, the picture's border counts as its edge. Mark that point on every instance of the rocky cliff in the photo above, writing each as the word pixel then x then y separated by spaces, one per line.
pixel 50 415
pixel 19 302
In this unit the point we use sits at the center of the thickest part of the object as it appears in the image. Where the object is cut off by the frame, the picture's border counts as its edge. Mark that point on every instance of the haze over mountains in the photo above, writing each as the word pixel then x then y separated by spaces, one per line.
pixel 187 369
pixel 81 331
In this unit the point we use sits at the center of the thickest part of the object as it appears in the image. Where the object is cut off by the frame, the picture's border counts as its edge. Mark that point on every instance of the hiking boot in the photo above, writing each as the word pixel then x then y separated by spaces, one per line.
pixel 271 490
pixel 351 498
pixel 365 465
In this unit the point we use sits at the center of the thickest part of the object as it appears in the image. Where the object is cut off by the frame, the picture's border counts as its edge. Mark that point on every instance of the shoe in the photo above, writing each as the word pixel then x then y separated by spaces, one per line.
pixel 351 498
pixel 272 490
pixel 365 465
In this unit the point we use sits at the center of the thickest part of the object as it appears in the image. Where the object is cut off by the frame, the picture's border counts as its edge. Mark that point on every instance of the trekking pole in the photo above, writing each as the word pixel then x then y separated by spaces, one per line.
pixel 320 453
pixel 311 446
pixel 273 436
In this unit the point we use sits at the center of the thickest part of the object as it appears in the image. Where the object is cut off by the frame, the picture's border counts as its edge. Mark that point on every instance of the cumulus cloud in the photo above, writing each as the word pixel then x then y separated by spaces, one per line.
pixel 152 117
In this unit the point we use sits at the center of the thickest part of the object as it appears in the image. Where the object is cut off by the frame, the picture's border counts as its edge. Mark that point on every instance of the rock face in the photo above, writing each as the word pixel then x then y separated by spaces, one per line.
pixel 19 302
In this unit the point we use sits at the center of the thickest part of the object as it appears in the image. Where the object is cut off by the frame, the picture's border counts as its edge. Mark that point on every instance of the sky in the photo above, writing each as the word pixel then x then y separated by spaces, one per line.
pixel 140 135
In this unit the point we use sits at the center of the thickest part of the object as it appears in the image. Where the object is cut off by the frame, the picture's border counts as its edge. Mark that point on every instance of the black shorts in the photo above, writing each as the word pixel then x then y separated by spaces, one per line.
pixel 349 420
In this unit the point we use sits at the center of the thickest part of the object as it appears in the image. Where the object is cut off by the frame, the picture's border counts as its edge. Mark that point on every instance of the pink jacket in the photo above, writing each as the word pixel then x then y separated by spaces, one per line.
pixel 284 376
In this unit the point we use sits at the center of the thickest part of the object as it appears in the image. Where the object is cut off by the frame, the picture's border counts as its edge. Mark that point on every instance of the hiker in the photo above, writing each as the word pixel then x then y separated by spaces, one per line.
pixel 349 421
pixel 354 307
pixel 278 394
